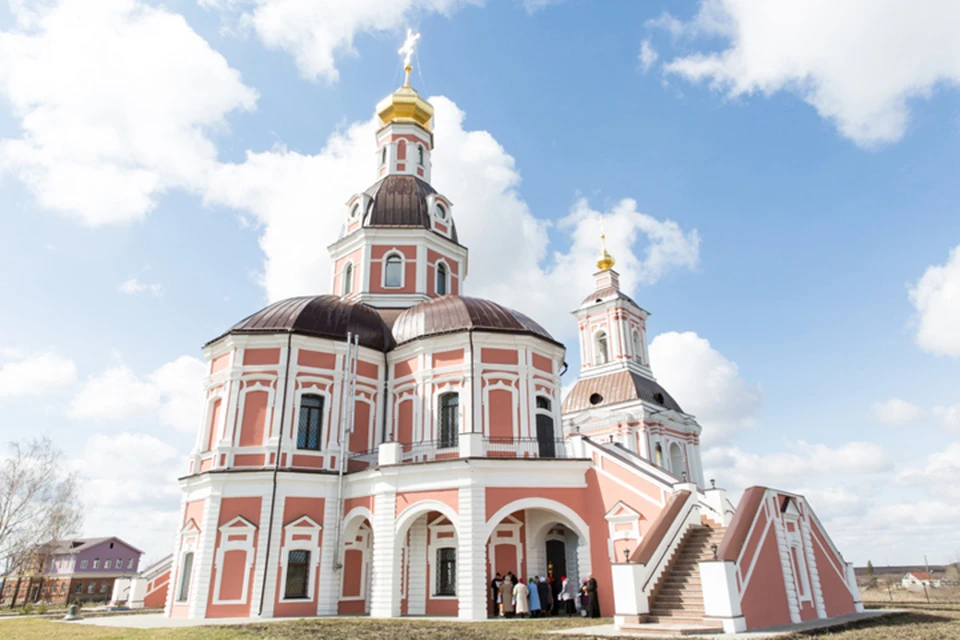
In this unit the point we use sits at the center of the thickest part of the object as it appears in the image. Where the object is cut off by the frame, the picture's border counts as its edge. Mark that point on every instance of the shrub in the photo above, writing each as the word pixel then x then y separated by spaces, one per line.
pixel 42 609
pixel 26 609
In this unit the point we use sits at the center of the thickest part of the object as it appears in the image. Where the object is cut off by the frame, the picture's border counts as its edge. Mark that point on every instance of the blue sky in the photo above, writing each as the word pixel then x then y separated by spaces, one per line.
pixel 166 169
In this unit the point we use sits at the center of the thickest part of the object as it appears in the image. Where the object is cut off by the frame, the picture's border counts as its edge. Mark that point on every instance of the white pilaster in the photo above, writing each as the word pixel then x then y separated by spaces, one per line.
pixel 471 570
pixel 721 598
pixel 328 590
pixel 417 591
pixel 203 561
pixel 267 565
pixel 385 594
pixel 812 568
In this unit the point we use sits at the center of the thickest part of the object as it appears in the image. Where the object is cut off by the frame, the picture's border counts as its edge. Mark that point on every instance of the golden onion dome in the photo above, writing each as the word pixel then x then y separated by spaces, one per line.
pixel 405 105
pixel 605 262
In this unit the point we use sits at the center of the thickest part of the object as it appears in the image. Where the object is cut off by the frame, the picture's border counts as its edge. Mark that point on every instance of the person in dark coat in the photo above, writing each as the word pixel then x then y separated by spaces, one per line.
pixel 555 587
pixel 494 592
pixel 593 607
pixel 543 588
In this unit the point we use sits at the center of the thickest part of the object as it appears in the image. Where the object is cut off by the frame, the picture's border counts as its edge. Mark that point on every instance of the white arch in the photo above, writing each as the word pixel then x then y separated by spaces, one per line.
pixel 414 511
pixel 573 520
pixel 359 514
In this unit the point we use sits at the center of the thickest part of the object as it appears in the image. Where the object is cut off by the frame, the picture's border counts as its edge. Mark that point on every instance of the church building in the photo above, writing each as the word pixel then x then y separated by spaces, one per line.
pixel 388 447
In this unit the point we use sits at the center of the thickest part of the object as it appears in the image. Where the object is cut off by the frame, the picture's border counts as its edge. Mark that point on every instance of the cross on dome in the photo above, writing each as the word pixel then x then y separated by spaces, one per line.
pixel 409 46
pixel 605 262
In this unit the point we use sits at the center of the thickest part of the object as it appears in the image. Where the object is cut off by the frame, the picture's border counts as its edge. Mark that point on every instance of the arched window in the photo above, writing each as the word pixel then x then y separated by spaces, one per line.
pixel 311 422
pixel 637 345
pixel 658 455
pixel 448 428
pixel 420 154
pixel 383 156
pixel 446 571
pixel 298 574
pixel 186 568
pixel 441 279
pixel 355 211
pixel 393 271
pixel 546 439
pixel 402 150
pixel 676 460
pixel 348 279
pixel 441 211
pixel 601 353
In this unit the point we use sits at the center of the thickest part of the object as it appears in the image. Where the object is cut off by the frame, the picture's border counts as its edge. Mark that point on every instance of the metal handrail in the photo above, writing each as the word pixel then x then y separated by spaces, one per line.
pixel 522 447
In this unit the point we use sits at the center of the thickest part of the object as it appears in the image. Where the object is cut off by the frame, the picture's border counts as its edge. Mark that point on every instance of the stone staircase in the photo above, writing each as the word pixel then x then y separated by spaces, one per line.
pixel 677 600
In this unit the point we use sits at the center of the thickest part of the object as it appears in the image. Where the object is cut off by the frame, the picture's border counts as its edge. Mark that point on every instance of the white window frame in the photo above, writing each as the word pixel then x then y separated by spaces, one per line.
pixel 622 514
pixel 189 537
pixel 96 563
pixel 403 269
pixel 443 543
pixel 237 527
pixel 448 279
pixel 363 546
pixel 300 526
pixel 348 266
pixel 597 351
pixel 83 563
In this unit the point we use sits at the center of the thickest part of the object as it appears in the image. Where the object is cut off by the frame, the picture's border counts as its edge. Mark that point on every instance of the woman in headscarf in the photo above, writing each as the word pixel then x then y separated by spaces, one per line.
pixel 506 596
pixel 520 594
pixel 534 590
pixel 566 596
pixel 546 601
pixel 594 610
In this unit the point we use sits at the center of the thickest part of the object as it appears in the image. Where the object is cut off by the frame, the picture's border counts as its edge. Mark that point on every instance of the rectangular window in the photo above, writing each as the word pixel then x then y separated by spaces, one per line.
pixel 311 422
pixel 91 587
pixel 106 564
pixel 96 563
pixel 79 587
pixel 446 572
pixel 298 574
pixel 103 587
pixel 449 420
pixel 130 563
pixel 83 564
pixel 185 572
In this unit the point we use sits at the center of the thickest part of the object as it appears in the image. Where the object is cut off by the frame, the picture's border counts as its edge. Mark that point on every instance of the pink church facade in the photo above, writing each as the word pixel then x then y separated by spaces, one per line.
pixel 386 449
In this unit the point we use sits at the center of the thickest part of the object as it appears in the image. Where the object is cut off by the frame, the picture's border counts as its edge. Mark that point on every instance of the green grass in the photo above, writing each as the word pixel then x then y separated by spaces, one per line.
pixel 919 624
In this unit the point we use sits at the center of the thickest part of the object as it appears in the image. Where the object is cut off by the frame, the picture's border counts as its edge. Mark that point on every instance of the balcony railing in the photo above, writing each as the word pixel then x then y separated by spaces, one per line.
pixel 362 460
pixel 523 448
pixel 428 450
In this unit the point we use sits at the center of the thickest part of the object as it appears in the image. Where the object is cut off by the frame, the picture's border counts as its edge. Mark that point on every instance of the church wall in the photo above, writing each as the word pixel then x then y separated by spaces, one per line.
pixel 407 499
pixel 378 253
pixel 234 563
pixel 293 509
pixel 356 257
pixel 254 421
pixel 764 599
pixel 837 598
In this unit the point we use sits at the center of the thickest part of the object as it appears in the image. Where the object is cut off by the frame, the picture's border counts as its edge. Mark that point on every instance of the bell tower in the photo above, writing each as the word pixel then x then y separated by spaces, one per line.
pixel 398 245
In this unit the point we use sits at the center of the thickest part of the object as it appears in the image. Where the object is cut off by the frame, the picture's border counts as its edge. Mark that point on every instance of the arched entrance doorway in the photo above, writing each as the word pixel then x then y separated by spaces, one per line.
pixel 539 539
pixel 426 561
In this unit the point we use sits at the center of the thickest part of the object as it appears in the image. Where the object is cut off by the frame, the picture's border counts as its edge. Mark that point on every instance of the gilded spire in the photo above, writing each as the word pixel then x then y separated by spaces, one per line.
pixel 605 262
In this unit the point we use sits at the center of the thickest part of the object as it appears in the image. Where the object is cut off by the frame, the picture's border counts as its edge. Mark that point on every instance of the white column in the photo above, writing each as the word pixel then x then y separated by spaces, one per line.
pixel 417 588
pixel 471 563
pixel 328 588
pixel 385 594
pixel 721 598
pixel 267 566
pixel 203 560
pixel 808 554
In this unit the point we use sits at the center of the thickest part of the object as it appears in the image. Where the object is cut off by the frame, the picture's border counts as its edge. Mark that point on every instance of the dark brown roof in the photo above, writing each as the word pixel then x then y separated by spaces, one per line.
pixel 449 314
pixel 401 201
pixel 321 316
pixel 614 388
pixel 605 294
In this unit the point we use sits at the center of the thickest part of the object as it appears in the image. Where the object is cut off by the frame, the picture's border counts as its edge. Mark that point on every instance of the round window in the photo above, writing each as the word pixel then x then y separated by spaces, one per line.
pixel 441 212
pixel 596 398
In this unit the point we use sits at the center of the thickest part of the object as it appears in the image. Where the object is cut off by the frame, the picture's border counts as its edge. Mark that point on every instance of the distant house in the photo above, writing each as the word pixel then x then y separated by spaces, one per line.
pixel 76 570
pixel 915 580
pixel 148 589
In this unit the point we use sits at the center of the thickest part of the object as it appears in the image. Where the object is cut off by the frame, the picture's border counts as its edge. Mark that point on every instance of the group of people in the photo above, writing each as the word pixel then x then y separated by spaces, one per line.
pixel 511 597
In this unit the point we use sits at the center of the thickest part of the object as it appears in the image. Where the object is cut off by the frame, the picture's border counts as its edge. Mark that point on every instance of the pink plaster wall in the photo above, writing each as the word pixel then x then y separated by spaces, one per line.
pixel 220 363
pixel 448 358
pixel 261 357
pixel 254 418
pixel 449 497
pixel 294 508
pixel 230 508
pixel 764 601
pixel 214 420
pixel 502 411
pixel 360 438
pixel 498 356
pixel 542 363
pixel 307 358
pixel 405 422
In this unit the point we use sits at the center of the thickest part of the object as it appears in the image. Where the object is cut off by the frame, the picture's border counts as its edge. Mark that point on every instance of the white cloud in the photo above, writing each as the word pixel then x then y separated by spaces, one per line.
pixel 793 469
pixel 532 6
pixel 648 56
pixel 940 472
pixel 936 297
pixel 896 411
pixel 133 286
pixel 706 384
pixel 173 393
pixel 319 32
pixel 35 375
pixel 856 62
pixel 280 188
pixel 116 101
pixel 949 416
pixel 131 490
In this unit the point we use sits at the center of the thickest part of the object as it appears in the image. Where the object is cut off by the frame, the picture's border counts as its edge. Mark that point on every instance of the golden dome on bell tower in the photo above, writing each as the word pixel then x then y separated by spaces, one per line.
pixel 605 262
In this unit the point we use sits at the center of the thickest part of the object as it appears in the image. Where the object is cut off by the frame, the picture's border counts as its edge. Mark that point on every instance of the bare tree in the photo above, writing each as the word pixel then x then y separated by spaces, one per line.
pixel 39 502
